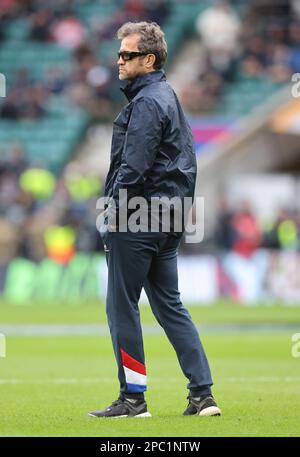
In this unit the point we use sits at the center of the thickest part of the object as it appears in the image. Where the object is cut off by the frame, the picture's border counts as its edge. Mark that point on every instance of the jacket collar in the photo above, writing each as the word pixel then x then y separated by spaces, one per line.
pixel 131 89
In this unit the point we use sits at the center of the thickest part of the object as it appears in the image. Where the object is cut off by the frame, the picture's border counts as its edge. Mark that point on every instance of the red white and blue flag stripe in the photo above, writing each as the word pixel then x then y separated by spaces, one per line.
pixel 135 373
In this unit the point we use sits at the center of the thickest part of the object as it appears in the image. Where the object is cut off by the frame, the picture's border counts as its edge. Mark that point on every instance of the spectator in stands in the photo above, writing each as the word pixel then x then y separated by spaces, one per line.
pixel 157 10
pixel 255 46
pixel 294 38
pixel 224 234
pixel 22 80
pixel 16 162
pixel 40 183
pixel 55 80
pixel 220 28
pixel 279 69
pixel 247 235
pixel 98 79
pixel 276 31
pixel 32 103
pixel 60 243
pixel 9 109
pixel 78 216
pixel 8 189
pixel 68 31
pixel 135 9
pixel 284 232
pixel 251 67
pixel 40 25
pixel 91 83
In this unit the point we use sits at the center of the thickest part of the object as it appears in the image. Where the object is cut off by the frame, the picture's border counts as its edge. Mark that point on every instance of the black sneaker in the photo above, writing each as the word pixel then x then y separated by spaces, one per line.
pixel 124 407
pixel 202 406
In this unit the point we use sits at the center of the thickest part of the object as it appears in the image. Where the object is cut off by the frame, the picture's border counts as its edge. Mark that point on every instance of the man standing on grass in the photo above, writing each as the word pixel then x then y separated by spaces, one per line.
pixel 152 156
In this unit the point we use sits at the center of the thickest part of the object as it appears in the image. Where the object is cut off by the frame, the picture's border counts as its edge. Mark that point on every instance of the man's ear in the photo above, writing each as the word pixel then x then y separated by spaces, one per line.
pixel 150 60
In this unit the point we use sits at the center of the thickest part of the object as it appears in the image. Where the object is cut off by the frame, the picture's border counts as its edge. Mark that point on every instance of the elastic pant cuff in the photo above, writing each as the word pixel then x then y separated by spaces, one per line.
pixel 201 392
pixel 133 395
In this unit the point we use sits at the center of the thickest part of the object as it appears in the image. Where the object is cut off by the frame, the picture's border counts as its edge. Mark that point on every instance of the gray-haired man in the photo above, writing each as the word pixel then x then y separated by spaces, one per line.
pixel 152 156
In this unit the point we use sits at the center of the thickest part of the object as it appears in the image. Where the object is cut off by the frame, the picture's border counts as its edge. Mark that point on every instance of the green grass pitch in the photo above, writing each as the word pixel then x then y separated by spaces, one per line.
pixel 49 383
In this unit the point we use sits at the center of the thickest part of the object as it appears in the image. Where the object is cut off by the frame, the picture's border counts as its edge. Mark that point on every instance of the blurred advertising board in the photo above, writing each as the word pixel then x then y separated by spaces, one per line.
pixel 265 277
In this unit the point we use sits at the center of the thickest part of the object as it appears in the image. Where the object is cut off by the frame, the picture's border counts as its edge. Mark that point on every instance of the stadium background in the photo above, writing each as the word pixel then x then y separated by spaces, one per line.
pixel 235 68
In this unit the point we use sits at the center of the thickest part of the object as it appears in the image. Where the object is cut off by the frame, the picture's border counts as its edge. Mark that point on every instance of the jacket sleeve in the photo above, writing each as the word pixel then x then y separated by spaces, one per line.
pixel 141 145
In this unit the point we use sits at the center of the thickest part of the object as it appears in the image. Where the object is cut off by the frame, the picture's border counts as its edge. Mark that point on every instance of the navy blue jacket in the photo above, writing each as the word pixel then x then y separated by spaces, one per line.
pixel 152 152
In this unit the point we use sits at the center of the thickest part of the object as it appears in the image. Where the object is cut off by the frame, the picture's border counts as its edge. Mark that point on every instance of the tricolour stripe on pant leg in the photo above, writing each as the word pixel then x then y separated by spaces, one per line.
pixel 135 388
pixel 132 377
pixel 135 373
pixel 131 363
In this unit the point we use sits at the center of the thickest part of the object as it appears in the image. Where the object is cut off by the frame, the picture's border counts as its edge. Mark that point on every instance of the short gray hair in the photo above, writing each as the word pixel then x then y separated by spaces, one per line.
pixel 152 39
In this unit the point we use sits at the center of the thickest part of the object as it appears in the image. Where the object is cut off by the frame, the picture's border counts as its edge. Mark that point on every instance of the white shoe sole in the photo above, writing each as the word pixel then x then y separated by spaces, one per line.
pixel 210 411
pixel 147 414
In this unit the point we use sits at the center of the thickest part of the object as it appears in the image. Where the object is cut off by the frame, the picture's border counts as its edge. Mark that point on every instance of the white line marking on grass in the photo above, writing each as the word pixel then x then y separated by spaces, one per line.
pixel 154 380
pixel 148 329
pixel 56 381
pixel 70 381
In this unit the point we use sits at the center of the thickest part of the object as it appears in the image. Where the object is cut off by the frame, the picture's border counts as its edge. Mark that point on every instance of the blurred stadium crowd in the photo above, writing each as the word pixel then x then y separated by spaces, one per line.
pixel 240 231
pixel 261 42
pixel 42 215
pixel 49 212
pixel 89 81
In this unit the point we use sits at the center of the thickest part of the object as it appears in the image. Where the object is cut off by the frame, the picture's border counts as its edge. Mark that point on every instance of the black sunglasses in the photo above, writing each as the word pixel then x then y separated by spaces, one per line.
pixel 127 55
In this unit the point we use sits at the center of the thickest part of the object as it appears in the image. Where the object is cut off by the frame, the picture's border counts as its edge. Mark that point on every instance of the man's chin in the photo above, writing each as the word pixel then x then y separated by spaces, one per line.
pixel 122 77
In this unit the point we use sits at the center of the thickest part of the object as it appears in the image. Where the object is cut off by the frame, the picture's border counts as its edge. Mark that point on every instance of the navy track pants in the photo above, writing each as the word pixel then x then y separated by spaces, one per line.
pixel 149 260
